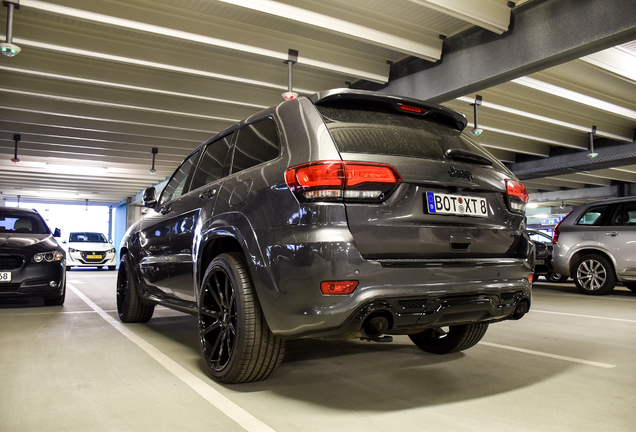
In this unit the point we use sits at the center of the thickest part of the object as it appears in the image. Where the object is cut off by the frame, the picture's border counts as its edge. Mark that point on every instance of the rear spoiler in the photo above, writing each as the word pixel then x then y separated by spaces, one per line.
pixel 362 99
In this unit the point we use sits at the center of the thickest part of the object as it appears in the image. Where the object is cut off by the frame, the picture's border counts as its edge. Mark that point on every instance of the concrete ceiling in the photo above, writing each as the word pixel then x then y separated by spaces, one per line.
pixel 98 84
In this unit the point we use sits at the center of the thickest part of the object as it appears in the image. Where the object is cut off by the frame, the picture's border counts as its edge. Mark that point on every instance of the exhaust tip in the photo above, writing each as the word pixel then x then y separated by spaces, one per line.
pixel 521 309
pixel 375 326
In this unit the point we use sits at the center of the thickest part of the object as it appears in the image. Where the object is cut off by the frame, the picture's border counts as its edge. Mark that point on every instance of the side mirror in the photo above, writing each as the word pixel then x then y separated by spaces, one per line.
pixel 57 233
pixel 150 197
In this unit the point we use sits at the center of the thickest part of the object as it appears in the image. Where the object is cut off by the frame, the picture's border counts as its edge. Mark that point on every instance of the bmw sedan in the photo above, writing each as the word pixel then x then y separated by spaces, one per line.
pixel 32 263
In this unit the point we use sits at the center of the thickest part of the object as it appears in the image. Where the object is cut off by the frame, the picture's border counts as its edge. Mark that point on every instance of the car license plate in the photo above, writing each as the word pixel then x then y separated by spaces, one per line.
pixel 462 205
pixel 5 276
pixel 93 257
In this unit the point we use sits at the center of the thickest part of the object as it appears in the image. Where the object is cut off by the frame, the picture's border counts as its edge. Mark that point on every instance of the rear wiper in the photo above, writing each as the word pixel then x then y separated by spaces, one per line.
pixel 467 156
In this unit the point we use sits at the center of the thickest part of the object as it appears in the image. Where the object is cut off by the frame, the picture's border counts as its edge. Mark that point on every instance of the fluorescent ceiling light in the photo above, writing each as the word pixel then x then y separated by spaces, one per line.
pixel 126 86
pixel 195 38
pixel 545 119
pixel 576 97
pixel 617 60
pixel 430 50
pixel 114 105
pixel 76 169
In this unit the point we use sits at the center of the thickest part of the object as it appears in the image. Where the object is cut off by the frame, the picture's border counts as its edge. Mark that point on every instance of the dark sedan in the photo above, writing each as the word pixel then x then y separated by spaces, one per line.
pixel 32 263
pixel 543 256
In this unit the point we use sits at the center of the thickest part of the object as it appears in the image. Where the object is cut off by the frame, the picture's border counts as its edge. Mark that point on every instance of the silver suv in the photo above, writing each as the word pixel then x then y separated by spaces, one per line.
pixel 596 245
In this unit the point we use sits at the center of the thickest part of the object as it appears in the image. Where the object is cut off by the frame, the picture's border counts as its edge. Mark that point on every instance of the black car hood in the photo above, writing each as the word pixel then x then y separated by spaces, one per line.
pixel 35 242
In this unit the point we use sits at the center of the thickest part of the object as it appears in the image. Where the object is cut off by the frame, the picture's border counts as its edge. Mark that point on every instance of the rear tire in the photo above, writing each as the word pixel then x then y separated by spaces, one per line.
pixel 130 307
pixel 236 342
pixel 457 338
pixel 594 275
pixel 555 277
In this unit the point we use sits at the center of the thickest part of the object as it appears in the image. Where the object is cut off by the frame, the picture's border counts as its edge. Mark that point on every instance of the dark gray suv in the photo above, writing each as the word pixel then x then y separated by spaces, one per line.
pixel 346 214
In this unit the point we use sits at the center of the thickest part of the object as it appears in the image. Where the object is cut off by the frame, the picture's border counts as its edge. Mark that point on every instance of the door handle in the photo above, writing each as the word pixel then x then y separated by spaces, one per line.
pixel 612 233
pixel 165 210
pixel 207 194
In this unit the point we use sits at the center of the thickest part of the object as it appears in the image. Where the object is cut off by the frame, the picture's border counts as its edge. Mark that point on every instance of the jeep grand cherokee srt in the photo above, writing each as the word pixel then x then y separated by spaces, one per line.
pixel 344 214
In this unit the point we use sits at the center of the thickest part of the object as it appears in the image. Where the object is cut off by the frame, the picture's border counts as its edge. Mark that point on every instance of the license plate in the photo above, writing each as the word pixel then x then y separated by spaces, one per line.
pixel 93 257
pixel 5 276
pixel 462 205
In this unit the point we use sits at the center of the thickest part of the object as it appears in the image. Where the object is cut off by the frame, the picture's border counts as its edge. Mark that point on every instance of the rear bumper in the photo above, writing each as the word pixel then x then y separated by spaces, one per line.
pixel 413 294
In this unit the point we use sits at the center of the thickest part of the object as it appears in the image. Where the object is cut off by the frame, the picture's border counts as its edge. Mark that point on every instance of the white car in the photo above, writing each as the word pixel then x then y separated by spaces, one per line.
pixel 90 249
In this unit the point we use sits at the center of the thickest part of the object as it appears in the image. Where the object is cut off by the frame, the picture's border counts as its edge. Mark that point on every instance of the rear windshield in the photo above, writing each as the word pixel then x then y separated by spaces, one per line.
pixel 395 134
pixel 26 223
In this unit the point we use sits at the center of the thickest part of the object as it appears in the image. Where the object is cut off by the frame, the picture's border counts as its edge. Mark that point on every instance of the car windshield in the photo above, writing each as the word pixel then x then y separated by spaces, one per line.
pixel 87 237
pixel 22 223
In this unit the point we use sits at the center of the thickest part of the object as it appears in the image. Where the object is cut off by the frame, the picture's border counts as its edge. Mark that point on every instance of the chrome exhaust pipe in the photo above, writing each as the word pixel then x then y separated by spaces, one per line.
pixel 521 309
pixel 375 326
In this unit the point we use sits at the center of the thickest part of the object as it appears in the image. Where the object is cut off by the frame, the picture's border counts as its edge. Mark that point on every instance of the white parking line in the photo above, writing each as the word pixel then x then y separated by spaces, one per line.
pixel 585 316
pixel 246 420
pixel 554 356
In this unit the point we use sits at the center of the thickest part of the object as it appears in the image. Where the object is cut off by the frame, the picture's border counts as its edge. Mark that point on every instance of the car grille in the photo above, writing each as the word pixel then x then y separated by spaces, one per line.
pixel 12 262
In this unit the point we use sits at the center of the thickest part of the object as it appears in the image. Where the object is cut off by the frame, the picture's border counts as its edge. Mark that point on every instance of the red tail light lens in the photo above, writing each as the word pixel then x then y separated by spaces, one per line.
pixel 338 287
pixel 555 234
pixel 337 179
pixel 516 196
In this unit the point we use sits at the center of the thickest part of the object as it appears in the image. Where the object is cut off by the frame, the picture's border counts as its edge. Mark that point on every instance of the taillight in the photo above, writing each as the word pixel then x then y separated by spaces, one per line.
pixel 338 287
pixel 516 196
pixel 555 233
pixel 325 180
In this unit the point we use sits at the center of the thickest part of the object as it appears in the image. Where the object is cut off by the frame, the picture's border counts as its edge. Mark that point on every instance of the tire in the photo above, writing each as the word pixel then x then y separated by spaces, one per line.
pixel 594 275
pixel 555 277
pixel 68 268
pixel 630 285
pixel 56 301
pixel 457 338
pixel 111 268
pixel 130 307
pixel 236 342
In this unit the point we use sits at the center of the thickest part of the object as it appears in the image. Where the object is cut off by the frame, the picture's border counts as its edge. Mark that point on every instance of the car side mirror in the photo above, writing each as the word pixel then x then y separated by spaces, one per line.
pixel 150 197
pixel 57 233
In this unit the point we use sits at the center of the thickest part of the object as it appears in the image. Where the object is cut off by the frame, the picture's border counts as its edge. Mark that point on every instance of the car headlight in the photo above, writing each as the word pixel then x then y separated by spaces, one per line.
pixel 51 256
pixel 111 250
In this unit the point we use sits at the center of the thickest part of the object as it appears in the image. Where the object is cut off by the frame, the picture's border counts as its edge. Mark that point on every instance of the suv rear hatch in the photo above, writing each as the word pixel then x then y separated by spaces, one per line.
pixel 451 198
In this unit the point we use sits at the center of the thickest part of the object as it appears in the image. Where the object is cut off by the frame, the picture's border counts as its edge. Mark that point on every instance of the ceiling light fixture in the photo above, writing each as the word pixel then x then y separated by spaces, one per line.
pixel 76 169
pixel 16 139
pixel 8 48
pixel 152 169
pixel 476 131
pixel 592 154
pixel 292 58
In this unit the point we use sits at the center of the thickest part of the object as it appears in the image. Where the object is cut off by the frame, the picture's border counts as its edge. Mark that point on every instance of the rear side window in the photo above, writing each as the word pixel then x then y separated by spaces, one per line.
pixel 212 164
pixel 390 133
pixel 595 216
pixel 174 188
pixel 256 143
pixel 624 215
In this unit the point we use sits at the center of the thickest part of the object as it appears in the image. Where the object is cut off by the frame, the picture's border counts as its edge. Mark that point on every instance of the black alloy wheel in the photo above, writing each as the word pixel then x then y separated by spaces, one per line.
pixel 130 306
pixel 236 342
pixel 446 340
pixel 594 275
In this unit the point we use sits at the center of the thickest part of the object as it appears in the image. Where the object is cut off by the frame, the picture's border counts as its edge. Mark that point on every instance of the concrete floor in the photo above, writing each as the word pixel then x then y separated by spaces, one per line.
pixel 569 365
